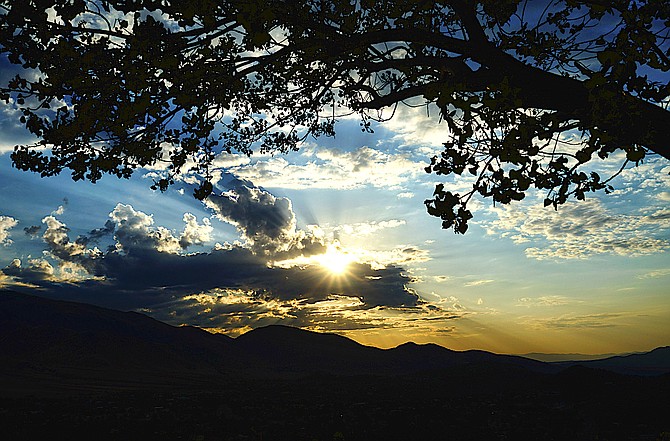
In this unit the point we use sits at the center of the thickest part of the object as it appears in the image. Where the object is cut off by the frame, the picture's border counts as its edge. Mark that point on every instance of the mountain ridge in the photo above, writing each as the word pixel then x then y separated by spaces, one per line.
pixel 69 371
pixel 76 341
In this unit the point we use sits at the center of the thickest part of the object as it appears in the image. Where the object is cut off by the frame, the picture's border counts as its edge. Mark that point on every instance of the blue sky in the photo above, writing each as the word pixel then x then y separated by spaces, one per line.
pixel 335 237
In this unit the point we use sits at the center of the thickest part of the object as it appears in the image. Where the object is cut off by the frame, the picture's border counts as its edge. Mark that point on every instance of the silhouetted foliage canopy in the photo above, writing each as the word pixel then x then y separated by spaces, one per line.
pixel 110 86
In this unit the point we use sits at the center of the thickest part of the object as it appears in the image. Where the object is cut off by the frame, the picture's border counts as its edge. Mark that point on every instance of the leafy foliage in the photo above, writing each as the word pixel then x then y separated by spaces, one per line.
pixel 110 86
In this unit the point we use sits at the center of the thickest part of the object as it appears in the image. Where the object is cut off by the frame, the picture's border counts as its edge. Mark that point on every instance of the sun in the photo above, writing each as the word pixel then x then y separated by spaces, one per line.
pixel 334 260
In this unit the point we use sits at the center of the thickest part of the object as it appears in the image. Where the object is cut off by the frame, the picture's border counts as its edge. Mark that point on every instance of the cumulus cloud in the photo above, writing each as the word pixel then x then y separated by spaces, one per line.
pixel 581 229
pixel 36 272
pixel 333 168
pixel 134 236
pixel 61 208
pixel 97 233
pixel 75 260
pixel 135 230
pixel 6 224
pixel 147 277
pixel 266 222
pixel 194 233
pixel 59 243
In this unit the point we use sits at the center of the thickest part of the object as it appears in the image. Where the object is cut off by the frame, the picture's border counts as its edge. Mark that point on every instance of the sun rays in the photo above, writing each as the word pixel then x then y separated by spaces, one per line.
pixel 334 260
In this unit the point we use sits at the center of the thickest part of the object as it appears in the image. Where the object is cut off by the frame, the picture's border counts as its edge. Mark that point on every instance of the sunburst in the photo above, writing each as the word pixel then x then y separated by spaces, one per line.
pixel 334 260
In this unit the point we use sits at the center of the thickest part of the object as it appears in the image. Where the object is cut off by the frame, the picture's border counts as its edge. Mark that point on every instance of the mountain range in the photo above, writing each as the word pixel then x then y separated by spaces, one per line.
pixel 75 371
pixel 84 346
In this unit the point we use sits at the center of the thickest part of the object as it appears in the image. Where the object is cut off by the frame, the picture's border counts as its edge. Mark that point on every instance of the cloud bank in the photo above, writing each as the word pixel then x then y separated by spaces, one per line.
pixel 579 230
pixel 334 168
pixel 147 267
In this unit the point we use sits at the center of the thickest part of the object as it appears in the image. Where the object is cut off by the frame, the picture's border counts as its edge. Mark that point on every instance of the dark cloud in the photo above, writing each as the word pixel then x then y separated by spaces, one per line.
pixel 38 272
pixel 97 234
pixel 33 231
pixel 145 269
pixel 265 221
pixel 235 312
pixel 146 277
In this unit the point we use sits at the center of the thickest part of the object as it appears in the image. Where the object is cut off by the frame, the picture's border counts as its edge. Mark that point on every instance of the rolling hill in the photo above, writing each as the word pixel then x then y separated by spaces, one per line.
pixel 75 371
pixel 64 344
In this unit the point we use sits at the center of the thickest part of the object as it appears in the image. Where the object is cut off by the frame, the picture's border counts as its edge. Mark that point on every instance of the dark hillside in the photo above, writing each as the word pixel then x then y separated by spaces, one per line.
pixel 71 371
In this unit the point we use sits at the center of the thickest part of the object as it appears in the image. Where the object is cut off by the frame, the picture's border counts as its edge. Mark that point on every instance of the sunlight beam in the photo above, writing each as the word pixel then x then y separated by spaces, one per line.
pixel 334 260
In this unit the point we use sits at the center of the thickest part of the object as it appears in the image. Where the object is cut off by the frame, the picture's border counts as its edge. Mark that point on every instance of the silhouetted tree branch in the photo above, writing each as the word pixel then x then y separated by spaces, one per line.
pixel 111 86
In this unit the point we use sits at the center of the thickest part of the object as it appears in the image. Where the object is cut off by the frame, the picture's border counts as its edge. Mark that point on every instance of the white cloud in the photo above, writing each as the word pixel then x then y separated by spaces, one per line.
pixel 653 174
pixel 56 236
pixel 545 301
pixel 227 160
pixel 399 256
pixel 478 283
pixel 41 270
pixel 581 229
pixel 655 274
pixel 194 233
pixel 74 258
pixel 367 228
pixel 135 229
pixel 419 125
pixel 58 211
pixel 6 224
pixel 333 168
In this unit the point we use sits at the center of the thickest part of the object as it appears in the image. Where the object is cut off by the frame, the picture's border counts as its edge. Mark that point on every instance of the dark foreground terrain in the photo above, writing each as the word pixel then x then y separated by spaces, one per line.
pixel 70 371
pixel 576 405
